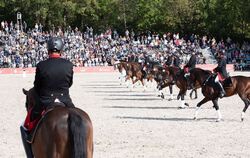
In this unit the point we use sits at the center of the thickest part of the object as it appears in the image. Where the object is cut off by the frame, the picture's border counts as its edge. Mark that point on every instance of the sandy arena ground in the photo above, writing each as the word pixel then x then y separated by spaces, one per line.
pixel 135 124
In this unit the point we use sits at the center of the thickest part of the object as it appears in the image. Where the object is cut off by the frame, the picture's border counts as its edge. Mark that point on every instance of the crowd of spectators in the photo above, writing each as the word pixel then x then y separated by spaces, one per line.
pixel 84 48
pixel 237 54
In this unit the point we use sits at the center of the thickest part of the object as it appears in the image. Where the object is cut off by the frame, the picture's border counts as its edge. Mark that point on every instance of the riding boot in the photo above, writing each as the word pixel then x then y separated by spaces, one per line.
pixel 222 91
pixel 26 145
pixel 187 76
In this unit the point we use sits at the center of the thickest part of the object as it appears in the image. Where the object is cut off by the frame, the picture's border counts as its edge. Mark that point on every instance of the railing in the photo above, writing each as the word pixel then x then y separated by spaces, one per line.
pixel 97 69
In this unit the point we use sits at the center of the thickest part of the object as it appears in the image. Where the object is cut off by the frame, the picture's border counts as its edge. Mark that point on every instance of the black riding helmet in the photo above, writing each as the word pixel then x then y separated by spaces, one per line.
pixel 55 44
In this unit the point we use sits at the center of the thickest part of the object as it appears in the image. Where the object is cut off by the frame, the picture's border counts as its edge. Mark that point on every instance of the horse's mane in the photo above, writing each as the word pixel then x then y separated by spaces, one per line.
pixel 205 71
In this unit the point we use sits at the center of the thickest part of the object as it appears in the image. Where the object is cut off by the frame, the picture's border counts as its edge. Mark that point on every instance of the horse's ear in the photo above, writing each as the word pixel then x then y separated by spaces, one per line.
pixel 25 91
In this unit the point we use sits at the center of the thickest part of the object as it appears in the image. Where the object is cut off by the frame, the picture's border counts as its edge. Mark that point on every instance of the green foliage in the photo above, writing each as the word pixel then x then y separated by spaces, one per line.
pixel 220 18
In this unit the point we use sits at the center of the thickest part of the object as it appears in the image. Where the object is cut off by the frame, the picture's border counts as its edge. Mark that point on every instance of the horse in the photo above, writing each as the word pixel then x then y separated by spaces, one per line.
pixel 169 76
pixel 63 132
pixel 174 75
pixel 133 71
pixel 238 85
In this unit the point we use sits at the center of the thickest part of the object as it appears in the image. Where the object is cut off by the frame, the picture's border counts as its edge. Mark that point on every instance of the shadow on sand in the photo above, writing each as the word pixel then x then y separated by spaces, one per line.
pixel 155 118
pixel 168 119
pixel 134 99
pixel 139 107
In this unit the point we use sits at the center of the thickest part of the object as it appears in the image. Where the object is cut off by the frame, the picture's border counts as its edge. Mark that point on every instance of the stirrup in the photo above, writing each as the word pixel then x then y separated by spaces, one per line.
pixel 222 94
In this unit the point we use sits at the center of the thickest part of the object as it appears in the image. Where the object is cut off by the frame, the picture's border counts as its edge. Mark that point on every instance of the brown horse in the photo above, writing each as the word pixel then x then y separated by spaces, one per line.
pixel 132 71
pixel 240 85
pixel 175 75
pixel 64 132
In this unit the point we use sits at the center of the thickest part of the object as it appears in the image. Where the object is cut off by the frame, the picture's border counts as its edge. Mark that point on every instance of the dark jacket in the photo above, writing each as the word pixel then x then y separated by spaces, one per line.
pixel 221 68
pixel 53 79
pixel 192 62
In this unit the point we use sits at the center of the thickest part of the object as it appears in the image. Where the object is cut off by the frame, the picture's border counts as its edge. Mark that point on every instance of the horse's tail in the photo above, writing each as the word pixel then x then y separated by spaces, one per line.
pixel 77 134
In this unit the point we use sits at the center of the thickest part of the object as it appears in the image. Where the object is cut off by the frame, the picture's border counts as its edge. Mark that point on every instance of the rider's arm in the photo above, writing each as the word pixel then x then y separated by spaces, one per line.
pixel 221 64
pixel 37 79
pixel 71 78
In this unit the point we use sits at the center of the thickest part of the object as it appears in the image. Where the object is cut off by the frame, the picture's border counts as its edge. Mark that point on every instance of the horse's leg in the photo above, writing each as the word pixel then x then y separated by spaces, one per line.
pixel 123 76
pixel 191 93
pixel 143 84
pixel 171 92
pixel 146 80
pixel 161 93
pixel 247 102
pixel 134 82
pixel 121 79
pixel 183 103
pixel 196 96
pixel 178 96
pixel 126 80
pixel 129 81
pixel 181 95
pixel 216 106
pixel 203 101
pixel 150 82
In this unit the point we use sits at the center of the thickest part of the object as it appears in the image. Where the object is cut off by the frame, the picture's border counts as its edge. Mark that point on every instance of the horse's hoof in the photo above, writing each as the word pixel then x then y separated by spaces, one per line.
pixel 178 97
pixel 162 97
pixel 195 118
pixel 170 99
pixel 218 120
pixel 242 119
pixel 180 107
pixel 187 104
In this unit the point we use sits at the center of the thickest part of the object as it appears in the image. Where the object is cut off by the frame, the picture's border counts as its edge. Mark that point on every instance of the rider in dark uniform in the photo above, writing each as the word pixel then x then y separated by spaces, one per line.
pixel 188 67
pixel 221 73
pixel 53 79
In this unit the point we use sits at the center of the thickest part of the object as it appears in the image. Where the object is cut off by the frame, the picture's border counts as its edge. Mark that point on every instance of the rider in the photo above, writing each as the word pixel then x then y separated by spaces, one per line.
pixel 188 67
pixel 221 73
pixel 53 79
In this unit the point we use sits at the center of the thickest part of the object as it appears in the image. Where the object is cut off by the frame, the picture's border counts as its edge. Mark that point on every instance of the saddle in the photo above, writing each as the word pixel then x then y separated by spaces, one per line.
pixel 33 125
pixel 227 82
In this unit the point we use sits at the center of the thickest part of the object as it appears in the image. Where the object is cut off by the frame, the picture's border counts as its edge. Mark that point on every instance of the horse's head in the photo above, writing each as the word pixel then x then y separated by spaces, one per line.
pixel 30 99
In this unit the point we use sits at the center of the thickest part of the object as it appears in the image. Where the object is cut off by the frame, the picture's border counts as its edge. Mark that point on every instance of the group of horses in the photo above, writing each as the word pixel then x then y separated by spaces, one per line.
pixel 68 132
pixel 168 76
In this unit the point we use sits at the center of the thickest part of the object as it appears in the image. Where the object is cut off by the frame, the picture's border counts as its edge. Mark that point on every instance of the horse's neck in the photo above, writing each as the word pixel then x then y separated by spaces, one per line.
pixel 202 77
